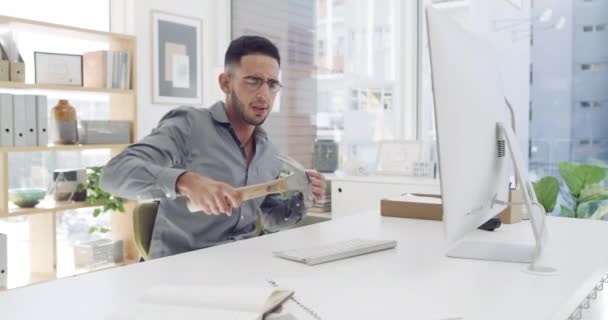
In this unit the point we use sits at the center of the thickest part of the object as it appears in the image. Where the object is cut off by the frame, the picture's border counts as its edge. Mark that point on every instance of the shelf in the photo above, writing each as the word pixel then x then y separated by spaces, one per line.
pixel 46 207
pixel 71 147
pixel 57 29
pixel 54 87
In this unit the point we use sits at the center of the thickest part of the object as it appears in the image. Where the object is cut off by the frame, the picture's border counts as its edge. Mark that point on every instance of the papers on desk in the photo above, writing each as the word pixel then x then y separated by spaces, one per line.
pixel 205 302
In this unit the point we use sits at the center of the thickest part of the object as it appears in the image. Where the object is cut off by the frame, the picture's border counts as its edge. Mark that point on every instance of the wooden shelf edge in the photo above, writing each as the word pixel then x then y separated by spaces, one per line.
pixel 53 87
pixel 75 147
pixel 9 19
pixel 47 207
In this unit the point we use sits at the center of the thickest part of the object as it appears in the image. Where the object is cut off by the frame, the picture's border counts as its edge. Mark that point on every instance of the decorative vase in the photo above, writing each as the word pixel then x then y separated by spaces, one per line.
pixel 64 128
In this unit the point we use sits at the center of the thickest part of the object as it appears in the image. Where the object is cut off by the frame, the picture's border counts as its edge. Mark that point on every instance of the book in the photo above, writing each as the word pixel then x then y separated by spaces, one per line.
pixel 209 302
pixel 94 69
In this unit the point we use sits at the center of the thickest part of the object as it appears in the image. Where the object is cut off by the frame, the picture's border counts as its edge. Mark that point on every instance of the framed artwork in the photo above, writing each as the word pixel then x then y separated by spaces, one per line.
pixel 176 59
pixel 58 68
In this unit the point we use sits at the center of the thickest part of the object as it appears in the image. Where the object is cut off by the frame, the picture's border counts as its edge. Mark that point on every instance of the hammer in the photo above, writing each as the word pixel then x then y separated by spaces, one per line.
pixel 297 180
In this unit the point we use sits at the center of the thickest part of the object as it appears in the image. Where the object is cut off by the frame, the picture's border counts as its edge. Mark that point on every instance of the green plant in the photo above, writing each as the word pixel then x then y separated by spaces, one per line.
pixel 95 195
pixel 584 196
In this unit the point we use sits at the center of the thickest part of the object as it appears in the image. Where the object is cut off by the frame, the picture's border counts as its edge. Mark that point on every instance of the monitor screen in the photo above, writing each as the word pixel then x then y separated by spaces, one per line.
pixel 469 103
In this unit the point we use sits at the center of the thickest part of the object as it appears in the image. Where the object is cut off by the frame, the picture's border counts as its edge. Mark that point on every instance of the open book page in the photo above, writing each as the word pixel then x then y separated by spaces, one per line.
pixel 146 311
pixel 255 299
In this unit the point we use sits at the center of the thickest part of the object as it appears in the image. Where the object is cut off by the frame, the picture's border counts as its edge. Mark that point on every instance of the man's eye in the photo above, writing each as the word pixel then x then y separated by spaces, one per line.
pixel 252 80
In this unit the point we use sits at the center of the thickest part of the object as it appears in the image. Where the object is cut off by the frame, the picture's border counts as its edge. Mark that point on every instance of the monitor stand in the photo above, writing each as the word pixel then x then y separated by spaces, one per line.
pixel 506 252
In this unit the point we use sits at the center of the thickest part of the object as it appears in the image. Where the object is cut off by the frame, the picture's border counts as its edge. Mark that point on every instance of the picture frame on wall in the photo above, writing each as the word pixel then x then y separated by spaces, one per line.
pixel 58 68
pixel 176 59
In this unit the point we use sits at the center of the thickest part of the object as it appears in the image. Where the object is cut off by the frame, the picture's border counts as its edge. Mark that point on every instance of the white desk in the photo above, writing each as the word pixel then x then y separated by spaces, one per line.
pixel 414 281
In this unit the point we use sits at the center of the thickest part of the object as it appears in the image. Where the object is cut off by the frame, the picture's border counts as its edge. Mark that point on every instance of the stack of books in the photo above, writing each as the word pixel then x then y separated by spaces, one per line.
pixel 107 69
pixel 324 204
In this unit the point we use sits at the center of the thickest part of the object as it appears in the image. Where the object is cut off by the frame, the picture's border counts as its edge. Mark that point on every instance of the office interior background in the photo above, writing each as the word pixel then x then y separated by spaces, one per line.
pixel 354 71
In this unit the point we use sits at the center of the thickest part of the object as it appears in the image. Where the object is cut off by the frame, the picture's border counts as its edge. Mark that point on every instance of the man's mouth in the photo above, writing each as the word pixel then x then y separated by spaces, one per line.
pixel 259 108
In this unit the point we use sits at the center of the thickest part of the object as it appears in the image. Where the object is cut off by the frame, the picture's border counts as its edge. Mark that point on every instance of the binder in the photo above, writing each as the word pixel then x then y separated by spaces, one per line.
pixel 6 120
pixel 31 134
pixel 3 261
pixel 42 122
pixel 19 121
pixel 591 297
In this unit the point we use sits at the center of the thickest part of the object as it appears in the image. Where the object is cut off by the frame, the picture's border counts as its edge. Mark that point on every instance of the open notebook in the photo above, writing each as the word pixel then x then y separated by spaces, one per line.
pixel 209 302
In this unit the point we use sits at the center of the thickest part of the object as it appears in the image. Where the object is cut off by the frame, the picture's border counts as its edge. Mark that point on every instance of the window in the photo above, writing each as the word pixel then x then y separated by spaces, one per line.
pixel 351 87
pixel 568 93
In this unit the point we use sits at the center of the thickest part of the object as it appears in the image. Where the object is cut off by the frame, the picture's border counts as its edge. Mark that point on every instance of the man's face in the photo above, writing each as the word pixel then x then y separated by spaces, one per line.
pixel 254 85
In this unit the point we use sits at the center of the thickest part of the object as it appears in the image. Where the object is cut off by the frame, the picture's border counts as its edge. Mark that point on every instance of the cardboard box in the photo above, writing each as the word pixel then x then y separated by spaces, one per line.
pixel 427 207
pixel 5 70
pixel 514 213
pixel 17 71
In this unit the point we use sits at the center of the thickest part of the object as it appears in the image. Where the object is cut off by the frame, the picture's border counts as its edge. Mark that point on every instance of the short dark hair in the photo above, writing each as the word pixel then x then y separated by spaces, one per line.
pixel 245 45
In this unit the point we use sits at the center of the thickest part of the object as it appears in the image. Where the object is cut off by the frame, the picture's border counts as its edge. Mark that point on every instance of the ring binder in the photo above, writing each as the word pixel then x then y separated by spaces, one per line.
pixel 577 314
pixel 306 309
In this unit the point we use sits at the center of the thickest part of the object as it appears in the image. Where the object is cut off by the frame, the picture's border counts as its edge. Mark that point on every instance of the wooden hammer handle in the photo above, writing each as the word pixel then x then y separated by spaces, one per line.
pixel 262 189
pixel 255 190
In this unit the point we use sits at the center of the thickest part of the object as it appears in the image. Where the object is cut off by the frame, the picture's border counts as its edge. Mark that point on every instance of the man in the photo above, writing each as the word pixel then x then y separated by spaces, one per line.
pixel 202 155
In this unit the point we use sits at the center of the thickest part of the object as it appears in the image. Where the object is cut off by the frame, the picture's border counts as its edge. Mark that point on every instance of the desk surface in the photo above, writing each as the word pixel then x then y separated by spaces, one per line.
pixel 413 281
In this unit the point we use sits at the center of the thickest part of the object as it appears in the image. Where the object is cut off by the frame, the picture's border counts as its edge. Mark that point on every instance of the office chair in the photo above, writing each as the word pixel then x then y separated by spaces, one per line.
pixel 144 216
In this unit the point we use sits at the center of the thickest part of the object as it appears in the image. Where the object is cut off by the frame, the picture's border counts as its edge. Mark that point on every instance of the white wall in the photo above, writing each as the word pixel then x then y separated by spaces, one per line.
pixel 134 17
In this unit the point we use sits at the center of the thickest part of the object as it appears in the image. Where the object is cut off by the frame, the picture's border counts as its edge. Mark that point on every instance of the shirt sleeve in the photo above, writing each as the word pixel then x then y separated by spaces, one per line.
pixel 279 213
pixel 150 168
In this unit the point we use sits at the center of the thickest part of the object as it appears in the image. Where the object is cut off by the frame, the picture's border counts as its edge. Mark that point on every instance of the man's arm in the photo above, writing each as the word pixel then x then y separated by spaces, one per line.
pixel 149 169
pixel 156 168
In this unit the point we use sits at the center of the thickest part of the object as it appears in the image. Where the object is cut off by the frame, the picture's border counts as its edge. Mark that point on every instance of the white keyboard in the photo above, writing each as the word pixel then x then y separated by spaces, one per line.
pixel 335 251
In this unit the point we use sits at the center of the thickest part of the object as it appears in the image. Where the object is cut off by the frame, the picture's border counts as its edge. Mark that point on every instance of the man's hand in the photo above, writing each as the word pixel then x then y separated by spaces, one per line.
pixel 317 183
pixel 211 196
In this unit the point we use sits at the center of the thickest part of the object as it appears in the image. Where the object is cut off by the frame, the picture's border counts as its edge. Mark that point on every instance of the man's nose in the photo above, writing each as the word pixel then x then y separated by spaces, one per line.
pixel 264 92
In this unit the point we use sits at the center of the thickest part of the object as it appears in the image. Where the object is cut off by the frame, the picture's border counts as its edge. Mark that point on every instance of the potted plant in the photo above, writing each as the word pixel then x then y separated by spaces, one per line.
pixel 95 195
pixel 584 195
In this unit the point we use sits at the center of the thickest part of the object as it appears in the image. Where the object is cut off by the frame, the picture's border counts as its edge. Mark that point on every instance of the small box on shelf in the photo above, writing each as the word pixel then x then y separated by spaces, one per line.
pixel 97 253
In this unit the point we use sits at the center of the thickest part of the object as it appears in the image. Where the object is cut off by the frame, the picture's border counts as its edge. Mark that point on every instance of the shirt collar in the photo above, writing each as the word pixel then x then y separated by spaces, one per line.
pixel 218 112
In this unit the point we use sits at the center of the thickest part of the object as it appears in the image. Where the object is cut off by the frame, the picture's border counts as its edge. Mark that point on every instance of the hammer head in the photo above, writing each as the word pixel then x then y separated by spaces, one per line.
pixel 298 180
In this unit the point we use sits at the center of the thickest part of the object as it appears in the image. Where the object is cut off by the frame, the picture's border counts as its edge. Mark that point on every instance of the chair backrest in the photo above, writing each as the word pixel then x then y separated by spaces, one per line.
pixel 144 216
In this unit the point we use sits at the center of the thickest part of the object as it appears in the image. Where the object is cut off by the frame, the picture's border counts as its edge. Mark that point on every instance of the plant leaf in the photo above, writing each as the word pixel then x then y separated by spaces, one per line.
pixel 599 213
pixel 567 212
pixel 583 210
pixel 92 229
pixel 546 191
pixel 593 192
pixel 104 230
pixel 578 176
pixel 96 212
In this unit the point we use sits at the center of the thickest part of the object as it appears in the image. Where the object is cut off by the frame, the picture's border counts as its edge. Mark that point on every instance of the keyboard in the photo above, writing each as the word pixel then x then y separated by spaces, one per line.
pixel 335 251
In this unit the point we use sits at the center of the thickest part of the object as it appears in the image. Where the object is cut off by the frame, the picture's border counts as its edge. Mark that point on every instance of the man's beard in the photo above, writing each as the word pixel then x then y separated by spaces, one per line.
pixel 240 110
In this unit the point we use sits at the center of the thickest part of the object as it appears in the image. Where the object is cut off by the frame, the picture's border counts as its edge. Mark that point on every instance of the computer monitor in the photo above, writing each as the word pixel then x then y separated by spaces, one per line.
pixel 472 142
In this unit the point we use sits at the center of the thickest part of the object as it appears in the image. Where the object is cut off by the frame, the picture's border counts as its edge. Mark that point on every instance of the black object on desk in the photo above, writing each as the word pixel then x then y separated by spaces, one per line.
pixel 491 224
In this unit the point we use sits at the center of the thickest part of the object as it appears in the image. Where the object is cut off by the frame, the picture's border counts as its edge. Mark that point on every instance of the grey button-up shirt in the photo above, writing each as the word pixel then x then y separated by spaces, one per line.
pixel 202 141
